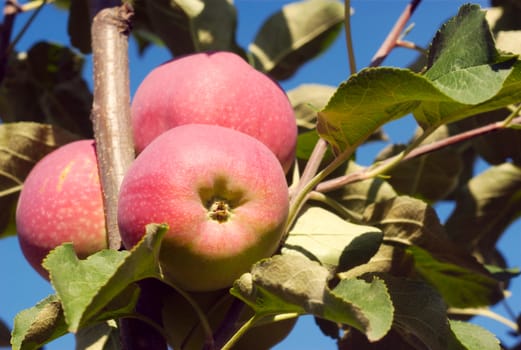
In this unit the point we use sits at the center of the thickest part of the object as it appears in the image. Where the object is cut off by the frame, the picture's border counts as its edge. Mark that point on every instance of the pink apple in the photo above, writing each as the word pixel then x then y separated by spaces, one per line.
pixel 223 194
pixel 217 88
pixel 60 202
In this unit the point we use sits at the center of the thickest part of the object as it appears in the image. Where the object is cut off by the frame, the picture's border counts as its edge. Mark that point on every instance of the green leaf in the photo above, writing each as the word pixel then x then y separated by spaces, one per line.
pixel 38 325
pixel 375 96
pixel 460 287
pixel 78 25
pixel 368 100
pixel 430 177
pixel 411 222
pixel 463 55
pixel 46 85
pixel 420 314
pixel 307 100
pixel 323 236
pixel 22 145
pixel 299 32
pixel 485 208
pixel 87 286
pixel 169 22
pixel 373 298
pixel 100 336
pixel 356 196
pixel 295 284
pixel 474 337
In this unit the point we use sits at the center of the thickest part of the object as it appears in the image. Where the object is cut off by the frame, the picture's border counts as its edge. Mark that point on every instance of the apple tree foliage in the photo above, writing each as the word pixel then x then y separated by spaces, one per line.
pixel 364 250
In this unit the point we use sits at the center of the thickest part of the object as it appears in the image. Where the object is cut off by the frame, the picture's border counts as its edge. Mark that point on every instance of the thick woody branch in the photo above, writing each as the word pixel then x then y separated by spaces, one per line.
pixel 111 107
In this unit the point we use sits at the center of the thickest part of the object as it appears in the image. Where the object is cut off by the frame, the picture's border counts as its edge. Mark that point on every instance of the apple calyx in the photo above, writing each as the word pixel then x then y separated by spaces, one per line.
pixel 219 210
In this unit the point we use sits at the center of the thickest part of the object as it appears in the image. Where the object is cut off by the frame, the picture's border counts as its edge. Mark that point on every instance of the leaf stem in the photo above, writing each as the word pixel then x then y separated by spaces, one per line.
pixel 349 37
pixel 244 328
pixel 307 186
pixel 486 313
pixel 390 41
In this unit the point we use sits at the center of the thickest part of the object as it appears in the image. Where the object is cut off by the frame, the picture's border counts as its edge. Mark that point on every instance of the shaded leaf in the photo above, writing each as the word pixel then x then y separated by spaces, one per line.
pixel 420 314
pixel 356 196
pixel 459 287
pixel 22 145
pixel 430 177
pixel 87 286
pixel 171 24
pixel 213 24
pixel 291 37
pixel 411 222
pixel 295 284
pixel 336 243
pixel 485 208
pixel 497 147
pixel 45 85
pixel 474 337
pixel 187 26
pixel 5 334
pixel 39 325
pixel 78 25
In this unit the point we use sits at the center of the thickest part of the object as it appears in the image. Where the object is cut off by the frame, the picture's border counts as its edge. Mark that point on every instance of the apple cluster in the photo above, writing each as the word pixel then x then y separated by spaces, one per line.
pixel 214 139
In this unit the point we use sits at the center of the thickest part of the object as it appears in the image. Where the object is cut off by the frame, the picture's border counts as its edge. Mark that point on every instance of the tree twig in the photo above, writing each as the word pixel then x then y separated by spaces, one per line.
pixel 370 172
pixel 393 36
pixel 111 107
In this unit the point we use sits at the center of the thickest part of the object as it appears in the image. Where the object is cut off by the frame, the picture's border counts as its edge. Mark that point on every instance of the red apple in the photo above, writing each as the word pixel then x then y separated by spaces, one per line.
pixel 60 202
pixel 218 88
pixel 223 194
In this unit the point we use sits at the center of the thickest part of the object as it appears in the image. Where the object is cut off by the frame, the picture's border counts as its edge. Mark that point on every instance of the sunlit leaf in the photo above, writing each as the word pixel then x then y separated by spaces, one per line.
pixel 38 325
pixel 474 337
pixel 99 336
pixel 295 284
pixel 85 287
pixel 323 236
pixel 299 32
pixel 307 100
pixel 445 94
pixel 463 55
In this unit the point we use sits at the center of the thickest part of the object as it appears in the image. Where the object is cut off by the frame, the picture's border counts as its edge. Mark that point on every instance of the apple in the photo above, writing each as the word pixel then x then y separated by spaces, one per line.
pixel 223 194
pixel 217 88
pixel 61 201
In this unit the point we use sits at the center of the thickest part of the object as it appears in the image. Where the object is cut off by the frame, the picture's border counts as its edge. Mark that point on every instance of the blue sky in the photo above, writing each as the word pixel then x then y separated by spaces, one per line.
pixel 22 288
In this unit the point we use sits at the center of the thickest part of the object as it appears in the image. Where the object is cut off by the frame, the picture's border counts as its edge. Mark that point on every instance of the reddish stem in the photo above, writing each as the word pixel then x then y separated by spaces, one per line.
pixel 390 42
